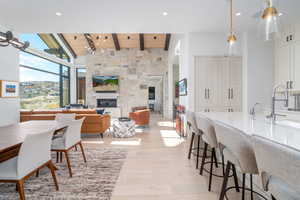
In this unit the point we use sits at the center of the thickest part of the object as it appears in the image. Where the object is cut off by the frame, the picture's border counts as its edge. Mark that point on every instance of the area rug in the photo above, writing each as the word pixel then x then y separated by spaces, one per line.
pixel 94 180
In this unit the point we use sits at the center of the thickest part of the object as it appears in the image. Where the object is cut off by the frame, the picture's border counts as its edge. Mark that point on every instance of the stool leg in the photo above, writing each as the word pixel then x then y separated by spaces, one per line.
pixel 225 181
pixel 223 165
pixel 273 198
pixel 243 187
pixel 216 160
pixel 203 158
pixel 251 186
pixel 198 151
pixel 211 168
pixel 236 182
pixel 191 145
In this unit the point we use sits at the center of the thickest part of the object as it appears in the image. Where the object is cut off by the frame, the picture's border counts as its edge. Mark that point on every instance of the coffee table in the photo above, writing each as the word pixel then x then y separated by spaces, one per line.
pixel 123 129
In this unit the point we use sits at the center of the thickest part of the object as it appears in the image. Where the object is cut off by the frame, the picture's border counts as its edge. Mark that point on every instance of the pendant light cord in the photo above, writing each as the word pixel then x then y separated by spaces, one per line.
pixel 231 23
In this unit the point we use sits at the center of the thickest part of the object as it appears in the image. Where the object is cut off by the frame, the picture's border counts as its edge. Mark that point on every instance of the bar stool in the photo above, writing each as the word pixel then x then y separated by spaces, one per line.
pixel 279 167
pixel 209 138
pixel 191 121
pixel 236 148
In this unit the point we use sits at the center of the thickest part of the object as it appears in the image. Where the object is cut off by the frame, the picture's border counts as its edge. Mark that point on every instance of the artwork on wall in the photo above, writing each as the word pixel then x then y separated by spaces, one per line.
pixel 9 89
pixel 183 87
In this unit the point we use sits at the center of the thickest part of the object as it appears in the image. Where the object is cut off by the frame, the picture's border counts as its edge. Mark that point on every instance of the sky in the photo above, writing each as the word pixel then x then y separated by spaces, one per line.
pixel 33 61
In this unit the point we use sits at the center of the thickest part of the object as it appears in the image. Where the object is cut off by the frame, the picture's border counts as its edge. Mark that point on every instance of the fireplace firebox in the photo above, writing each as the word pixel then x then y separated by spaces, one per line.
pixel 106 103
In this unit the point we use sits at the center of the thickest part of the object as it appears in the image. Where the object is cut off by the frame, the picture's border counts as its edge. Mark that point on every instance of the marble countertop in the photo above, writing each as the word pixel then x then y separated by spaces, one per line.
pixel 283 134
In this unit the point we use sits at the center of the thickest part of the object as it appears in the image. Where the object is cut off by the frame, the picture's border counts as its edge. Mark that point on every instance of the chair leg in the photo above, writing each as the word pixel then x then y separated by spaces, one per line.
pixel 211 169
pixel 243 187
pixel 236 182
pixel 20 186
pixel 68 163
pixel 191 146
pixel 203 158
pixel 61 156
pixel 198 151
pixel 37 173
pixel 57 157
pixel 273 198
pixel 75 147
pixel 225 181
pixel 83 154
pixel 101 135
pixel 52 169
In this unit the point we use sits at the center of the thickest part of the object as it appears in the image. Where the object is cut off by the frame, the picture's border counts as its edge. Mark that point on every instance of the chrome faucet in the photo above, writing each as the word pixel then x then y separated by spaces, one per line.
pixel 252 110
pixel 274 100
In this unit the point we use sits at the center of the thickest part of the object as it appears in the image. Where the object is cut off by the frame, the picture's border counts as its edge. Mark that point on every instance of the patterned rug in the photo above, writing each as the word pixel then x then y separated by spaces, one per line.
pixel 94 180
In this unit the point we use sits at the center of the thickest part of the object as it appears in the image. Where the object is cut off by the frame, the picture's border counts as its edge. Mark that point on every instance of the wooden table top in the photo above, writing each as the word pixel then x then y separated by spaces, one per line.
pixel 14 135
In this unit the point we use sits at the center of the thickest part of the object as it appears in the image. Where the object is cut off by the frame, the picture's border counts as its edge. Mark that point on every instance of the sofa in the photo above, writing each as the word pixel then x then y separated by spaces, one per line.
pixel 93 123
pixel 141 117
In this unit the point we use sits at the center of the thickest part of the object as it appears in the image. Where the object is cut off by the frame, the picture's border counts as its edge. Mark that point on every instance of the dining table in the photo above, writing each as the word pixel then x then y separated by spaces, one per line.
pixel 12 136
pixel 283 131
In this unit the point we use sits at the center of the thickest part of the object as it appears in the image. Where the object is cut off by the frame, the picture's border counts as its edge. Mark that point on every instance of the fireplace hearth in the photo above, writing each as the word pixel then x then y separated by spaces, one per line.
pixel 106 103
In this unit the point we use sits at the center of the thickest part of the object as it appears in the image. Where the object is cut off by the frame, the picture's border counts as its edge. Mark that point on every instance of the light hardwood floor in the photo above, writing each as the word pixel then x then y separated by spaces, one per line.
pixel 157 167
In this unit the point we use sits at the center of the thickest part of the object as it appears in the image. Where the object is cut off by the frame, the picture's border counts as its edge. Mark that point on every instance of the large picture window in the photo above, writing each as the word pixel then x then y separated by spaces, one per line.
pixel 43 84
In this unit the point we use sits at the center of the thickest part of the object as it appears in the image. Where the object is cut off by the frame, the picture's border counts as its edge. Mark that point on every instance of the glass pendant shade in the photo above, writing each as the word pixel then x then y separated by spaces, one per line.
pixel 270 22
pixel 232 46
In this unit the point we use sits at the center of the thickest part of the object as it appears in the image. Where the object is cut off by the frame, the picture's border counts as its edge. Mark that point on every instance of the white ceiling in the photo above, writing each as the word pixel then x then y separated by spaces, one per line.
pixel 120 16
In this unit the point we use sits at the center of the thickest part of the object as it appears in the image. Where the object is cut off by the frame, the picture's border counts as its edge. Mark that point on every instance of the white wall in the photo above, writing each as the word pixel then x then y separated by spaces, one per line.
pixel 258 68
pixel 9 70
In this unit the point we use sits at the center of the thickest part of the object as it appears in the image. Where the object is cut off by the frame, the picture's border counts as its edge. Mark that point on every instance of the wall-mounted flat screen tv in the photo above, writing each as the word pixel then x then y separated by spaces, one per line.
pixel 105 83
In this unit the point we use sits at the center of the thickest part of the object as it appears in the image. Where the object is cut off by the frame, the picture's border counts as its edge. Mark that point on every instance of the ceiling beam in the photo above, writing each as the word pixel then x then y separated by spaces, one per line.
pixel 90 41
pixel 142 43
pixel 167 43
pixel 116 41
pixel 63 39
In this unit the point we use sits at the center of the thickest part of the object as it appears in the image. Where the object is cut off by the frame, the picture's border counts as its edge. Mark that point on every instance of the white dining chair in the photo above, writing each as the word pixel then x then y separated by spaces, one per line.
pixel 34 154
pixel 279 167
pixel 70 139
pixel 62 117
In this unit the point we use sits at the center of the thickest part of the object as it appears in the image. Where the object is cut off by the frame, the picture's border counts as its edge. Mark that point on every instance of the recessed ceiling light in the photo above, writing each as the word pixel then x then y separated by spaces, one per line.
pixel 280 14
pixel 58 13
pixel 165 13
pixel 238 14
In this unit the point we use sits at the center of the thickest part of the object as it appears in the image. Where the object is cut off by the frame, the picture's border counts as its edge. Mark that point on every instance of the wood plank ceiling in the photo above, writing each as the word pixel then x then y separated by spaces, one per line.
pixel 82 44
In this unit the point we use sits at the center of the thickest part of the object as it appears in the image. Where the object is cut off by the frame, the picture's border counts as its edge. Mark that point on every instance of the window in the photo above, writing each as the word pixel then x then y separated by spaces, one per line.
pixel 43 84
pixel 45 42
pixel 81 84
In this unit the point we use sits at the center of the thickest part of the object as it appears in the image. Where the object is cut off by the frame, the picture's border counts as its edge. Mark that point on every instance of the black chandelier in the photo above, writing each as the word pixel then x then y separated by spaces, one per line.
pixel 8 38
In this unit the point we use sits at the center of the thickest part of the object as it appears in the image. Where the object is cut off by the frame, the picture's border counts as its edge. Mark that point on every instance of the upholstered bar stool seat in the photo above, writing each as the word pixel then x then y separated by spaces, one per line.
pixel 192 124
pixel 210 140
pixel 279 168
pixel 237 149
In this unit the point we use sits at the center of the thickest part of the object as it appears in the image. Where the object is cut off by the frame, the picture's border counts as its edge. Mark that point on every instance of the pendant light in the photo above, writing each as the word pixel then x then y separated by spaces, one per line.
pixel 270 18
pixel 232 39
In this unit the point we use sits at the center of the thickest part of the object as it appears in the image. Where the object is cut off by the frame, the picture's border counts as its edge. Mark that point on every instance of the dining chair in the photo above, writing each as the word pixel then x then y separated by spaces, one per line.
pixel 210 140
pixel 70 139
pixel 34 154
pixel 237 149
pixel 278 166
pixel 192 124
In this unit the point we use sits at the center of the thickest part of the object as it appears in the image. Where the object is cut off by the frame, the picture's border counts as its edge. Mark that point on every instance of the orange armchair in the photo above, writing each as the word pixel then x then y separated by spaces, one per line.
pixel 141 117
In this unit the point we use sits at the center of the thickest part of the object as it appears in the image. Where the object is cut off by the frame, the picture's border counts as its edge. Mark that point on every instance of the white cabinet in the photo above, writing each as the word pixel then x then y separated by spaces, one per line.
pixel 218 83
pixel 287 58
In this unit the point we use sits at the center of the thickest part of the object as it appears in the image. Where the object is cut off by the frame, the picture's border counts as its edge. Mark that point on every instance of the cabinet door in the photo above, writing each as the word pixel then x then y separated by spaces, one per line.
pixel 214 64
pixel 296 34
pixel 282 65
pixel 235 76
pixel 296 66
pixel 224 84
pixel 201 84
